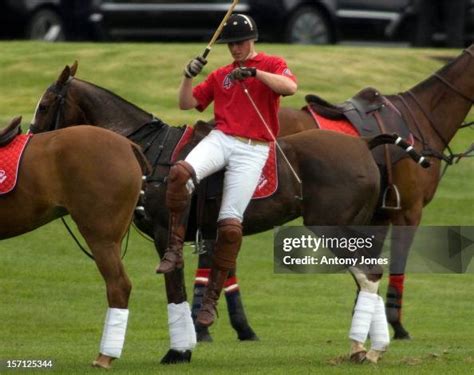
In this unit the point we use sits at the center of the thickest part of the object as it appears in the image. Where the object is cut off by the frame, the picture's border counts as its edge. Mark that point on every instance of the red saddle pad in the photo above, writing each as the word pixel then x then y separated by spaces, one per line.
pixel 10 156
pixel 340 126
pixel 268 182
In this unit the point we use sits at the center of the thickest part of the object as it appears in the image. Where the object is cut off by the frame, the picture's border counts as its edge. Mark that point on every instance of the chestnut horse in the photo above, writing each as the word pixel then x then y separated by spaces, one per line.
pixel 434 111
pixel 95 176
pixel 333 192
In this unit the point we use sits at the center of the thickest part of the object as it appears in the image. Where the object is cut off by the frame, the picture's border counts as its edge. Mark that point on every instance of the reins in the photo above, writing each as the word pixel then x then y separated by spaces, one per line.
pixel 452 158
pixel 454 88
pixel 82 248
pixel 467 125
pixel 255 107
pixel 433 126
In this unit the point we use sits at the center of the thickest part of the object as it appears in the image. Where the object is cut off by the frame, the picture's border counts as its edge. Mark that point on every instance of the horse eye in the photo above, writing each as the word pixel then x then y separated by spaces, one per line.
pixel 42 108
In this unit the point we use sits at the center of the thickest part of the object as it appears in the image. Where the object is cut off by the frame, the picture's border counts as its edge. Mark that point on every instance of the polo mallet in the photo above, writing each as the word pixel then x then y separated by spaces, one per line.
pixel 246 91
pixel 219 29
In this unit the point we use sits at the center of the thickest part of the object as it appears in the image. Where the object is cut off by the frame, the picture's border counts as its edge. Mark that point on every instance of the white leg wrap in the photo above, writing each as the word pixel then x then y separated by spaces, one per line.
pixel 379 335
pixel 181 327
pixel 363 312
pixel 113 336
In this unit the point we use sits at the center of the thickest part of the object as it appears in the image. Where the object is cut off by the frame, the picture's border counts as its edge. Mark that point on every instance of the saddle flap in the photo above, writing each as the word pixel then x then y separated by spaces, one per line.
pixel 326 109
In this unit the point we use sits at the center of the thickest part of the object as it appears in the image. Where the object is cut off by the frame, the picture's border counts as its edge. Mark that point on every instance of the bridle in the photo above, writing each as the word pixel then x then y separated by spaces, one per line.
pixel 60 91
pixel 426 150
pixel 451 86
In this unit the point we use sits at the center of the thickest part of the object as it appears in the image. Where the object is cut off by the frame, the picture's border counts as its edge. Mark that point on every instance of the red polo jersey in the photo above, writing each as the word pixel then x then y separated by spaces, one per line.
pixel 233 111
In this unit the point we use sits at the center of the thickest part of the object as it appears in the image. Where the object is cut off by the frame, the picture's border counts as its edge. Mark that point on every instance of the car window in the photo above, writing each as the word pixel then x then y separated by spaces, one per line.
pixel 378 5
pixel 162 1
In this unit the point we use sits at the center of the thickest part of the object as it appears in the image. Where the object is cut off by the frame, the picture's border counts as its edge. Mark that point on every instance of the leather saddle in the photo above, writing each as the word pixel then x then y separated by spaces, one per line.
pixel 371 113
pixel 9 133
pixel 364 102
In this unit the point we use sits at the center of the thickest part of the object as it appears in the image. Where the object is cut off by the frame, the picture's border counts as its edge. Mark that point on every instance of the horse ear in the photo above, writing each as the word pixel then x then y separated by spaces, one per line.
pixel 15 122
pixel 64 76
pixel 74 68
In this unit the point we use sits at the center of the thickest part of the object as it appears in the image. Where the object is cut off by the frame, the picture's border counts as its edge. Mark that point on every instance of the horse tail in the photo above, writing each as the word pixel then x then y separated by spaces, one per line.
pixel 142 160
pixel 383 139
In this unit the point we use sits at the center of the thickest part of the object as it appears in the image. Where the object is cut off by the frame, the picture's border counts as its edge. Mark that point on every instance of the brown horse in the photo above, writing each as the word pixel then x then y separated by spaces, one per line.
pixel 433 110
pixel 333 192
pixel 95 176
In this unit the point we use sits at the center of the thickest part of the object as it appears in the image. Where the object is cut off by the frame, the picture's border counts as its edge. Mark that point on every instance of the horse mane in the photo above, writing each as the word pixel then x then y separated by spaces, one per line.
pixel 114 95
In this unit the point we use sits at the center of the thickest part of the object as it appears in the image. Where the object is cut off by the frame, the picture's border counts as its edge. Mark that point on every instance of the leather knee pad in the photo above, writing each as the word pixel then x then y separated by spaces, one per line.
pixel 229 239
pixel 177 195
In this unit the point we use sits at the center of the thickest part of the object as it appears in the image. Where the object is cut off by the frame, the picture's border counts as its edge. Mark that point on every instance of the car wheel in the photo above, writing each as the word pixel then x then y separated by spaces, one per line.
pixel 308 26
pixel 45 25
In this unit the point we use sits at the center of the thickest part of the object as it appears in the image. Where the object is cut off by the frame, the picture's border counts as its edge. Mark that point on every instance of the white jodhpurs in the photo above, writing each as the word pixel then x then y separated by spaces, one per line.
pixel 243 163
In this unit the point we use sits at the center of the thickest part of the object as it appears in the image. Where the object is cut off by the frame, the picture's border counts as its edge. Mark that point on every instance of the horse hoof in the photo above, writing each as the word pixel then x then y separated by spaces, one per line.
pixel 175 356
pixel 400 333
pixel 401 336
pixel 248 335
pixel 358 357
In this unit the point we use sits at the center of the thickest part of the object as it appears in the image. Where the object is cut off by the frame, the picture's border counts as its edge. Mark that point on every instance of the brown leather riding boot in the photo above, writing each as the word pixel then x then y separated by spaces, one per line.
pixel 229 239
pixel 207 313
pixel 178 203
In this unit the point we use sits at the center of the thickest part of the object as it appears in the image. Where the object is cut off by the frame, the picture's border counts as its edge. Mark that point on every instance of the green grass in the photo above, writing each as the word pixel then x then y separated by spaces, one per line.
pixel 52 299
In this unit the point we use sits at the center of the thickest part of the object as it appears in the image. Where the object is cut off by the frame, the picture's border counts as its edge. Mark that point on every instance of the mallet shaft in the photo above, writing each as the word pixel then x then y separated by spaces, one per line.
pixel 219 29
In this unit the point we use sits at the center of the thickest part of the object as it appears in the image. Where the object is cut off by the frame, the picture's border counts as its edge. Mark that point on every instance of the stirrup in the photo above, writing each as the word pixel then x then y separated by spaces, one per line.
pixel 397 195
pixel 199 246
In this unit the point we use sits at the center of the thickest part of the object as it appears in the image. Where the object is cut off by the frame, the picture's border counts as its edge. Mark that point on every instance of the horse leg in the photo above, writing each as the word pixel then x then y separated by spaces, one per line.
pixel 200 285
pixel 401 241
pixel 235 307
pixel 369 317
pixel 400 244
pixel 118 286
pixel 180 325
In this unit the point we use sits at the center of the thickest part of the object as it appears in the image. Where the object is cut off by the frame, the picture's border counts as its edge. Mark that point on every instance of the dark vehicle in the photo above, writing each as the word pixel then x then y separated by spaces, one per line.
pixel 50 20
pixel 292 21
pixel 26 18
pixel 278 20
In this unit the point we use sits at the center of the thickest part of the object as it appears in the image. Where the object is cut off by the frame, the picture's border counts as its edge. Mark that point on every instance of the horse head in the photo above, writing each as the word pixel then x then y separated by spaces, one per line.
pixel 443 101
pixel 71 101
pixel 50 113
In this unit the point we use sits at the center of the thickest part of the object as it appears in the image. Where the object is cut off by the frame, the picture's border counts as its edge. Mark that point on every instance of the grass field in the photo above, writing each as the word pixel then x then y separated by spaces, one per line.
pixel 52 299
